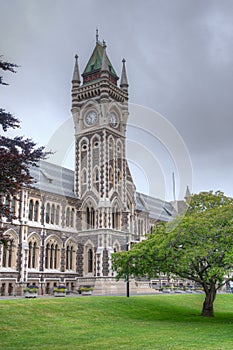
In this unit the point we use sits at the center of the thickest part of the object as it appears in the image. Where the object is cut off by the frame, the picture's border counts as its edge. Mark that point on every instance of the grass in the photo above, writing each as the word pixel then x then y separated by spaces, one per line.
pixel 142 322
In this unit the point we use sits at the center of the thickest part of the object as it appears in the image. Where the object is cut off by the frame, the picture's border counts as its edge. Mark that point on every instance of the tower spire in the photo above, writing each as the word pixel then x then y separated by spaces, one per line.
pixel 76 76
pixel 187 194
pixel 124 81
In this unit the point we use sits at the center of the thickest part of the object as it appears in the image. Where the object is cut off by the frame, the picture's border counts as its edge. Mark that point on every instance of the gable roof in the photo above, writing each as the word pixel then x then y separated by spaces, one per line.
pixel 55 179
pixel 157 208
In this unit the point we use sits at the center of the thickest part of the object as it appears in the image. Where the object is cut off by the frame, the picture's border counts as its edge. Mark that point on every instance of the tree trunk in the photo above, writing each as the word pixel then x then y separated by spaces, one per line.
pixel 208 305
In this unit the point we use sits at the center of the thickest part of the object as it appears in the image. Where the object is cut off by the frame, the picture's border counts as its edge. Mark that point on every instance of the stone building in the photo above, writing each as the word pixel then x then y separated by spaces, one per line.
pixel 70 222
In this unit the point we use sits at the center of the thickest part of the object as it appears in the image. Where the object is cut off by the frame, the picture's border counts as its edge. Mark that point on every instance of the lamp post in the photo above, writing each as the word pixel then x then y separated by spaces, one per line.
pixel 127 276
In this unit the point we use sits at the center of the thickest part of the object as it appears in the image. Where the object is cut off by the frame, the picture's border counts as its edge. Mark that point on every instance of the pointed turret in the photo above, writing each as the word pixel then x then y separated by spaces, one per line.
pixel 76 76
pixel 187 194
pixel 104 65
pixel 124 81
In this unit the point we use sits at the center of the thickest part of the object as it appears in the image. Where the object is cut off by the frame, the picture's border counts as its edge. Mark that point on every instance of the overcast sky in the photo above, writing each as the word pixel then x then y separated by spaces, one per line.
pixel 179 57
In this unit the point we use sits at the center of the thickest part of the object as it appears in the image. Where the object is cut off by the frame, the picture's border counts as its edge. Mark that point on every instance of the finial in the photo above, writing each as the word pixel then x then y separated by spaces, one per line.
pixel 104 44
pixel 97 35
pixel 123 60
pixel 76 57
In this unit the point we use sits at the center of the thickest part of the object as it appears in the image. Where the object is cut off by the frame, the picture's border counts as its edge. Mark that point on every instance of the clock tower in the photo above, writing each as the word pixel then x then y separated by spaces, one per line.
pixel 103 184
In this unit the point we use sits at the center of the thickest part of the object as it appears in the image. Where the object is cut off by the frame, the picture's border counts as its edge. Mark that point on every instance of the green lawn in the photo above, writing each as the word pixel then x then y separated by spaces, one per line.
pixel 142 322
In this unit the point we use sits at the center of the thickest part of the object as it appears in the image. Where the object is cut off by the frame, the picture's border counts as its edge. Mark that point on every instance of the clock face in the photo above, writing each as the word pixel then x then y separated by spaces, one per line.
pixel 91 118
pixel 113 120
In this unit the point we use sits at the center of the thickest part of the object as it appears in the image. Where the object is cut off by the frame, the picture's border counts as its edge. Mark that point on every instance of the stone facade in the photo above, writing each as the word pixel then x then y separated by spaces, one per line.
pixel 71 222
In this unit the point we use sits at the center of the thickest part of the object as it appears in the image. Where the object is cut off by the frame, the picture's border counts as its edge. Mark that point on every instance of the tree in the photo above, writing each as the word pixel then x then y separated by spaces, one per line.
pixel 17 155
pixel 197 247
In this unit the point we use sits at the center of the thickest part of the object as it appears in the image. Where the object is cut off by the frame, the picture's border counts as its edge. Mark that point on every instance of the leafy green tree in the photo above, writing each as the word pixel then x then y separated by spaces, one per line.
pixel 196 247
pixel 17 155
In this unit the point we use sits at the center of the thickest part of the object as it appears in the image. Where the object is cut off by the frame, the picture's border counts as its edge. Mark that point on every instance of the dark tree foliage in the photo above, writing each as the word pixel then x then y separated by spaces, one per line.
pixel 17 155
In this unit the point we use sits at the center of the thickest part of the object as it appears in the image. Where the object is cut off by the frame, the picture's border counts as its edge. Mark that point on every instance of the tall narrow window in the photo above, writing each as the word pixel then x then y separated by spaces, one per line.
pixel 84 177
pixel 96 176
pixel 88 216
pixel 36 211
pixel 90 261
pixel 72 217
pixel 52 214
pixel 57 215
pixel 68 217
pixel 51 256
pixel 92 218
pixel 71 258
pixel 47 250
pixel 29 254
pixel 116 218
pixel 67 256
pixel 111 178
pixel 47 215
pixel 55 256
pixel 113 218
pixel 4 255
pixel 34 255
pixel 13 206
pixel 30 215
pixel 118 176
pixel 10 253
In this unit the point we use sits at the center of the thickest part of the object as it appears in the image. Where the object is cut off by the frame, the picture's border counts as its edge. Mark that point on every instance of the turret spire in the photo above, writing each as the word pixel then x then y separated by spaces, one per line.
pixel 104 66
pixel 124 81
pixel 187 194
pixel 76 76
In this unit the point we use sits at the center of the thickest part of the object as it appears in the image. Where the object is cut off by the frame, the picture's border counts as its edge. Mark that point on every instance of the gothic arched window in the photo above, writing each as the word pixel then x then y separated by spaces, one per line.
pixel 33 254
pixel 70 257
pixel 90 217
pixel 52 254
